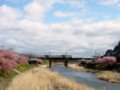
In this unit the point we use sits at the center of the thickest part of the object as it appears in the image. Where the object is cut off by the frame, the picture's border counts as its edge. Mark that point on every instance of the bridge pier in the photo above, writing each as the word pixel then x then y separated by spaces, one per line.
pixel 66 63
pixel 49 62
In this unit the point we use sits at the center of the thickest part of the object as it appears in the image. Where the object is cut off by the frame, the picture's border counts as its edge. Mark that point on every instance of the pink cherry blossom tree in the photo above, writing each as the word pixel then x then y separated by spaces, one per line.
pixel 106 60
pixel 10 60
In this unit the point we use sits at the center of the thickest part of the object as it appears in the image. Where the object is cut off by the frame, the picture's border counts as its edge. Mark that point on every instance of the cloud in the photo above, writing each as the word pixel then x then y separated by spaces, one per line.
pixel 76 35
pixel 118 16
pixel 77 22
pixel 77 4
pixel 8 17
pixel 11 41
pixel 106 16
pixel 35 11
pixel 73 3
pixel 118 5
pixel 108 2
pixel 17 1
pixel 9 13
pixel 64 14
pixel 69 14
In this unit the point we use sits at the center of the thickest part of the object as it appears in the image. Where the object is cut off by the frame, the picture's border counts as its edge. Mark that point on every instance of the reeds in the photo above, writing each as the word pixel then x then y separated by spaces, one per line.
pixel 43 79
pixel 77 68
pixel 111 76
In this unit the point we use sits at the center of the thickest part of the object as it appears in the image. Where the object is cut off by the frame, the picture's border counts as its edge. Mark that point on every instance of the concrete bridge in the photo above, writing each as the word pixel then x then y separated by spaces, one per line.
pixel 62 58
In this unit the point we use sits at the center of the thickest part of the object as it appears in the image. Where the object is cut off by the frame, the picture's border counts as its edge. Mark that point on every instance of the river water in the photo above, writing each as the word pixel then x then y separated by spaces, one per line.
pixel 85 78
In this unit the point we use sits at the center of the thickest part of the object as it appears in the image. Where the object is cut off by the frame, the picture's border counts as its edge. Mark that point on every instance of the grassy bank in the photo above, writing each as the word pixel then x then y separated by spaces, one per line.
pixel 5 79
pixel 40 78
pixel 111 76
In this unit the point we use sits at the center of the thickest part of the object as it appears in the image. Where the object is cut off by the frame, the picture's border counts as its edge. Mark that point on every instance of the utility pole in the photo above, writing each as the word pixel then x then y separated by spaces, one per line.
pixel 66 62
pixel 66 53
pixel 49 59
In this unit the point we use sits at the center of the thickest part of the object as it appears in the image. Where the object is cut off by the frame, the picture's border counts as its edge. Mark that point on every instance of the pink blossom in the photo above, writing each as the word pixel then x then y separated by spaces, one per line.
pixel 5 65
pixel 22 60
pixel 10 60
pixel 106 60
pixel 39 60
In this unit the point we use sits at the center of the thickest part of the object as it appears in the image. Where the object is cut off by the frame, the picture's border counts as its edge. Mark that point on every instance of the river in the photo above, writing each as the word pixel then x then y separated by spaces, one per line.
pixel 85 78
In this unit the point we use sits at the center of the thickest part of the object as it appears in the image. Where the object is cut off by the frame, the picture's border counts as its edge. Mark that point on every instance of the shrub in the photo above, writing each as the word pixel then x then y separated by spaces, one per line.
pixel 101 56
pixel 100 66
pixel 106 60
pixel 22 67
pixel 39 60
pixel 84 60
pixel 118 58
pixel 2 73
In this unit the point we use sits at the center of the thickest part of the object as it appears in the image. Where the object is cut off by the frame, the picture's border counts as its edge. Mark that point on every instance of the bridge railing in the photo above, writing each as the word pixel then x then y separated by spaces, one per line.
pixel 70 55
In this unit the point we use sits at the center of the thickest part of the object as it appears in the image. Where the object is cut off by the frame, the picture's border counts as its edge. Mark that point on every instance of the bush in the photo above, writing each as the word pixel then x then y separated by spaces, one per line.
pixel 22 67
pixel 118 58
pixel 100 66
pixel 40 61
pixel 84 60
pixel 106 61
pixel 101 56
pixel 2 73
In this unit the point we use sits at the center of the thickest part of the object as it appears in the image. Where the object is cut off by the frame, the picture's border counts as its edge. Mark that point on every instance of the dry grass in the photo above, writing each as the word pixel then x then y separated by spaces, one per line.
pixel 43 79
pixel 76 67
pixel 111 76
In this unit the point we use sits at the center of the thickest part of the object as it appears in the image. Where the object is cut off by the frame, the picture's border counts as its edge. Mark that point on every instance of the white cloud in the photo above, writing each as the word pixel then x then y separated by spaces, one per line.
pixel 35 12
pixel 11 41
pixel 69 14
pixel 64 14
pixel 73 36
pixel 78 4
pixel 108 2
pixel 9 13
pixel 77 35
pixel 77 22
pixel 118 5
pixel 17 1
pixel 73 3
pixel 106 16
pixel 118 16
pixel 8 16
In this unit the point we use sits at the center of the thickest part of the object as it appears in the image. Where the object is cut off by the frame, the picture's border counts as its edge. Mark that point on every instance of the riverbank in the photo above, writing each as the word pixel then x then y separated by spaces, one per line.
pixel 41 78
pixel 110 76
pixel 5 79
pixel 55 64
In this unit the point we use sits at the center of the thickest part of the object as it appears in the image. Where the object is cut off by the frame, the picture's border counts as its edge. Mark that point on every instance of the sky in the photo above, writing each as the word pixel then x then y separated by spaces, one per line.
pixel 76 27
